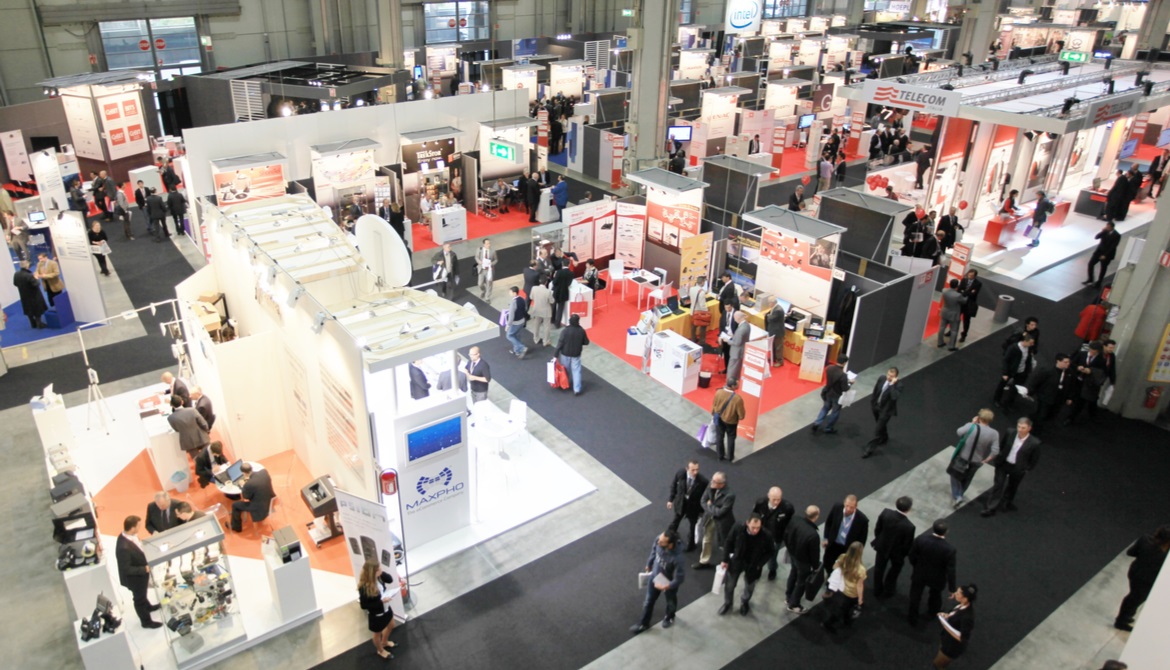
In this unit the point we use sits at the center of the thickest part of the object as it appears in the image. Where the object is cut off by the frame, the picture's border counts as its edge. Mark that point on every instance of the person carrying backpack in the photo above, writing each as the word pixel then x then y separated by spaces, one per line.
pixel 1044 207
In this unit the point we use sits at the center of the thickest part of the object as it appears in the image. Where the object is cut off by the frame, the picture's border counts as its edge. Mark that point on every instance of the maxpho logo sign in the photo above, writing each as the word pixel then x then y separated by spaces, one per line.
pixel 435 488
pixel 743 16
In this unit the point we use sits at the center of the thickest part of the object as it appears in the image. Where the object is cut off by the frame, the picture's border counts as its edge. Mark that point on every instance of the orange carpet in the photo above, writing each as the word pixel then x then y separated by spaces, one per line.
pixel 134 487
pixel 477 227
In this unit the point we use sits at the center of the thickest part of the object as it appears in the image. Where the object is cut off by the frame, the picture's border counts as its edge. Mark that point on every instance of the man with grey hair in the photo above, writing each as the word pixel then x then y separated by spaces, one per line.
pixel 160 514
pixel 717 503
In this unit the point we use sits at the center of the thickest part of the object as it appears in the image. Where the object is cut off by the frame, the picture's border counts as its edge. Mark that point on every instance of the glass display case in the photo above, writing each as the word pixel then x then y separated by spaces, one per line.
pixel 190 574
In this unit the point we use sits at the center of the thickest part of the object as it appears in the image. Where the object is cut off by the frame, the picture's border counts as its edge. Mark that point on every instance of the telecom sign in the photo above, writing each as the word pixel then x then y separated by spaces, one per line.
pixel 743 16
pixel 928 100
pixel 1074 56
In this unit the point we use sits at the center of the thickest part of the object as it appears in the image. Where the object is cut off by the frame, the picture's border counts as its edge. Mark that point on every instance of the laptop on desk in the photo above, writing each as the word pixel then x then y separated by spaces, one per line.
pixel 232 475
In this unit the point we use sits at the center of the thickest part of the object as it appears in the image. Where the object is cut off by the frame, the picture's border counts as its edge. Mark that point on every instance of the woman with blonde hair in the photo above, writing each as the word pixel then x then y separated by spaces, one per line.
pixel 375 590
pixel 847 584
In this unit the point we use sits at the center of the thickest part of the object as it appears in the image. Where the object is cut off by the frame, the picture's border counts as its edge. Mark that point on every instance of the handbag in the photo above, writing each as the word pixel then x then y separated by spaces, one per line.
pixel 701 319
pixel 958 466
pixel 710 437
pixel 701 436
pixel 813 584
pixel 720 577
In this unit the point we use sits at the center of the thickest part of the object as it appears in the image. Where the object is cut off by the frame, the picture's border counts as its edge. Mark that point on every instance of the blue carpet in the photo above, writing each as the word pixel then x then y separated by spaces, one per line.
pixel 19 332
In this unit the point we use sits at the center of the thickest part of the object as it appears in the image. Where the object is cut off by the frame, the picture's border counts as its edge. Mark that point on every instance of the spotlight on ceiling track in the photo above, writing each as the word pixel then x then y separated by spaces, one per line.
pixel 1109 86
pixel 1137 80
pixel 968 58
pixel 995 65
pixel 1052 136
pixel 1068 105
pixel 947 87
pixel 1023 75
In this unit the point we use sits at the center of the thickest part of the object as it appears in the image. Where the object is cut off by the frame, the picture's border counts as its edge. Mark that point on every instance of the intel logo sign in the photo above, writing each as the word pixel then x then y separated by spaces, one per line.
pixel 743 14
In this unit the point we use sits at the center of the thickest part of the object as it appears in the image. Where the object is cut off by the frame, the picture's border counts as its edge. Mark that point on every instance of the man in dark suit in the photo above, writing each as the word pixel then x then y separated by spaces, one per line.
pixel 754 145
pixel 728 296
pixel 846 524
pixel 1017 363
pixel 836 384
pixel 1018 454
pixel 256 494
pixel 884 404
pixel 718 519
pixel 776 513
pixel 532 196
pixel 133 572
pixel 206 461
pixel 892 538
pixel 176 386
pixel 933 559
pixel 1104 254
pixel 1053 388
pixel 801 542
pixel 1090 368
pixel 192 429
pixel 156 215
pixel 969 286
pixel 685 499
pixel 531 278
pixel 562 282
pixel 160 513
pixel 186 513
pixel 140 194
pixel 746 551
pixel 203 405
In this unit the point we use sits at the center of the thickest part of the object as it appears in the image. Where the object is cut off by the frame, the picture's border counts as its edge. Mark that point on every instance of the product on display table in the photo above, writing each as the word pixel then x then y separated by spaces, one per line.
pixel 675 361
pixel 320 498
pixel 190 573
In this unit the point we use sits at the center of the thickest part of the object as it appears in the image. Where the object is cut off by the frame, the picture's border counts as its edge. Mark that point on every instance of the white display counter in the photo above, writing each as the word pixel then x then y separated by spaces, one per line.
pixel 448 224
pixel 111 650
pixel 163 447
pixel 291 584
pixel 675 361
pixel 546 209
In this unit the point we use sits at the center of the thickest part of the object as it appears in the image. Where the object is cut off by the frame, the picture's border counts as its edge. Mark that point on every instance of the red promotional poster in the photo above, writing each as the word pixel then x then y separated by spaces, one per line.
pixel 1004 135
pixel 678 222
pixel 856 123
pixel 755 370
pixel 135 132
pixel 619 152
pixel 542 129
pixel 247 184
pixel 958 135
pixel 118 136
pixel 129 107
pixel 110 110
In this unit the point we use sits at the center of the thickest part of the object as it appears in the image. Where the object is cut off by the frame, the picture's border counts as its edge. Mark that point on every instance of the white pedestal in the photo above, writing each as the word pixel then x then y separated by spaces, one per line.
pixel 448 224
pixel 163 447
pixel 675 361
pixel 111 651
pixel 546 209
pixel 85 583
pixel 579 293
pixel 53 426
pixel 635 344
pixel 291 584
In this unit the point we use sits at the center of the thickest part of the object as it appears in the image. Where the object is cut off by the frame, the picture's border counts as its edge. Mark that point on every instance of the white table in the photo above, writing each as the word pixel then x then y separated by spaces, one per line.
pixel 675 361
pixel 163 445
pixel 448 224
pixel 651 283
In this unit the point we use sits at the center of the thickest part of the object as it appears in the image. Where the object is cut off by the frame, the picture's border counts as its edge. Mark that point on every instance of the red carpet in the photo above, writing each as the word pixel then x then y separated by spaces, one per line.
pixel 477 227
pixel 133 488
pixel 609 332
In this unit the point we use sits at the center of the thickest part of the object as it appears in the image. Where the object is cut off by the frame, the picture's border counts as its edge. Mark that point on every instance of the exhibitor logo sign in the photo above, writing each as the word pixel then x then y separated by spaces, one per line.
pixel 743 16
pixel 1112 109
pixel 130 108
pixel 435 489
pixel 118 136
pixel 928 100
pixel 110 109
pixel 135 131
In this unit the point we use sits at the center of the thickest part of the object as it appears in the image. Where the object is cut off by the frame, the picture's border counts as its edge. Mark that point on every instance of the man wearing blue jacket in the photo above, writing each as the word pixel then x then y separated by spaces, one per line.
pixel 560 193
pixel 666 559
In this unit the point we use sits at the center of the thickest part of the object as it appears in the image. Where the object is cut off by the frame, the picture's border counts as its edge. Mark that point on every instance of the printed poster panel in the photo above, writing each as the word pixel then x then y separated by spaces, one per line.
pixel 696 260
pixel 15 155
pixel 604 232
pixel 47 172
pixel 945 184
pixel 124 125
pixel 631 225
pixel 340 424
pixel 368 537
pixel 993 175
pixel 581 238
pixel 756 368
pixel 87 141
pixel 344 169
pixel 1160 368
pixel 797 270
pixel 743 256
pixel 247 184
pixel 673 217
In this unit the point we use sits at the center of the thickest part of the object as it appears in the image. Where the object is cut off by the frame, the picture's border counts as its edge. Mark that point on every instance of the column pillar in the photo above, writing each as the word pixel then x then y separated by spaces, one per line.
pixel 390 33
pixel 978 32
pixel 577 16
pixel 1154 24
pixel 855 12
pixel 655 29
pixel 1145 297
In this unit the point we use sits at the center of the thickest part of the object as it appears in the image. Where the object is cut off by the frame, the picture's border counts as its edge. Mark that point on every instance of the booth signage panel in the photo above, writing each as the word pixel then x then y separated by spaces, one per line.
pixel 124 125
pixel 743 16
pixel 247 184
pixel 87 141
pixel 342 169
pixel 673 217
pixel 915 98
pixel 15 155
pixel 436 496
pixel 426 155
pixel 604 218
pixel 631 231
pixel 1110 110
pixel 47 172
pixel 504 150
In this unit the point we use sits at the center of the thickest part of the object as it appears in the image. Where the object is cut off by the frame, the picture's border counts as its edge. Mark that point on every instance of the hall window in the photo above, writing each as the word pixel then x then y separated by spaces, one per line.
pixel 785 9
pixel 150 43
pixel 456 21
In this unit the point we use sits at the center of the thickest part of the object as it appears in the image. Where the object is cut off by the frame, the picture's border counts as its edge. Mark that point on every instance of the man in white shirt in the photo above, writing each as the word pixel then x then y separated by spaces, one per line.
pixel 485 266
pixel 824 174
pixel 1018 454
pixel 133 570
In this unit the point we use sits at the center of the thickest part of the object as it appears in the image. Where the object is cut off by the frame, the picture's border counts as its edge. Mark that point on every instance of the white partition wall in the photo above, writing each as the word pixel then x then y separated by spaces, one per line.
pixel 78 268
pixel 293 136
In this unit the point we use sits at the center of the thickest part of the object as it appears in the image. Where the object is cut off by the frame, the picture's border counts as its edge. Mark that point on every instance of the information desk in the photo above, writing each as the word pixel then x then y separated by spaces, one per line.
pixel 162 443
pixel 794 346
pixel 675 361
pixel 546 209
pixel 1090 202
pixel 1001 226
pixel 448 224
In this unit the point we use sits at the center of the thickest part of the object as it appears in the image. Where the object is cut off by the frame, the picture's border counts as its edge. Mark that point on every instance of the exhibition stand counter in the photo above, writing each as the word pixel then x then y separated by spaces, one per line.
pixel 448 224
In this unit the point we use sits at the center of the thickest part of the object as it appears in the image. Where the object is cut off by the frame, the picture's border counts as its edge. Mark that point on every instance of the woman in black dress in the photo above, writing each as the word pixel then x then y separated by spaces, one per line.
pixel 375 590
pixel 957 626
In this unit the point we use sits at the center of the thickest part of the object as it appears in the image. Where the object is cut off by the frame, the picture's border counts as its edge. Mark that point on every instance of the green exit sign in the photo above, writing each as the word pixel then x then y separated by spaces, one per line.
pixel 1074 56
pixel 627 13
pixel 502 150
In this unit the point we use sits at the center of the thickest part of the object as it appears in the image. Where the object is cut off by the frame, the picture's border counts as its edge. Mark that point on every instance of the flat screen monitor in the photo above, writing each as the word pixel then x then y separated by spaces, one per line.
pixel 433 438
pixel 418 72
pixel 806 120
pixel 235 471
pixel 1164 137
pixel 1129 148
pixel 679 133
pixel 36 217
pixel 784 305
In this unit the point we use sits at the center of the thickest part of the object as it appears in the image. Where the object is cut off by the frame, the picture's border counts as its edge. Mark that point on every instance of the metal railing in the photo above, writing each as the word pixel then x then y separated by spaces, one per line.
pixel 1081 108
pixel 1070 81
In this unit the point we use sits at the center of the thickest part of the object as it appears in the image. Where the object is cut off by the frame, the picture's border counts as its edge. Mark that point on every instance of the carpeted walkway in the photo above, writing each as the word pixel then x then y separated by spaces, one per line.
pixel 575 604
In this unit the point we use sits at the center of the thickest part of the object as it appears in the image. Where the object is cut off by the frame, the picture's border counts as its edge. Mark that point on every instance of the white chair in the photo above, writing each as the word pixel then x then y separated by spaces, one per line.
pixel 518 413
pixel 658 295
pixel 617 273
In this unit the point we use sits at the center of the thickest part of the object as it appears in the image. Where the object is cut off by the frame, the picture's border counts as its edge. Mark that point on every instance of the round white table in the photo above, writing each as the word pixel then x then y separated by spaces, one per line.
pixel 230 490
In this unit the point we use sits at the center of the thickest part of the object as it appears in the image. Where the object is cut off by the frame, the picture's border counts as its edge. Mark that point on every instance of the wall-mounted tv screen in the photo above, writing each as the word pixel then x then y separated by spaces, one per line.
pixel 806 120
pixel 679 133
pixel 433 438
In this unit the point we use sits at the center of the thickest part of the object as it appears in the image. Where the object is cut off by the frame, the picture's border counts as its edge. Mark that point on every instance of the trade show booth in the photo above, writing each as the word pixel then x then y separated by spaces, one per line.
pixel 869 221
